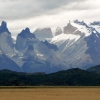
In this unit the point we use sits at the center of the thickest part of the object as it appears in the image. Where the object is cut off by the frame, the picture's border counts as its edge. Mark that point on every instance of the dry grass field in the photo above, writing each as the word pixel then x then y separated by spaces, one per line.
pixel 50 94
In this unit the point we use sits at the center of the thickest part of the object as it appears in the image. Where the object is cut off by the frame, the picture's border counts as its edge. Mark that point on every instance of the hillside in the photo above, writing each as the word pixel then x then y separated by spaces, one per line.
pixel 95 69
pixel 71 77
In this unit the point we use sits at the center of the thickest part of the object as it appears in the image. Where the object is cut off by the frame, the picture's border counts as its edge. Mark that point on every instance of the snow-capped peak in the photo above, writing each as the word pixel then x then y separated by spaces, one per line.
pixel 82 27
pixel 96 25
pixel 86 28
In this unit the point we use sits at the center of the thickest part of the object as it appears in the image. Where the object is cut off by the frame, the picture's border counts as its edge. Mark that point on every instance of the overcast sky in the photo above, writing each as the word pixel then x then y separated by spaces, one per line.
pixel 20 14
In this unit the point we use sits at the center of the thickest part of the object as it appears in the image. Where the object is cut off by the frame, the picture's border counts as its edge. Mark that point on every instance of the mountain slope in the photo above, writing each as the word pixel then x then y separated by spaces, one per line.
pixel 95 69
pixel 7 63
pixel 71 77
pixel 79 45
pixel 7 49
pixel 36 55
pixel 24 39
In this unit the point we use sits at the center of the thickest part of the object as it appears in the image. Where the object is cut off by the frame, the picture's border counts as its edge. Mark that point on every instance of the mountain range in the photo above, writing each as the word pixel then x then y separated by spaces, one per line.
pixel 76 46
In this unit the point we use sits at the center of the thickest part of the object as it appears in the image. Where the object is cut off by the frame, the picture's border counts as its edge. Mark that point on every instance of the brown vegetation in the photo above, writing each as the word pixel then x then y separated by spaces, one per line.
pixel 50 94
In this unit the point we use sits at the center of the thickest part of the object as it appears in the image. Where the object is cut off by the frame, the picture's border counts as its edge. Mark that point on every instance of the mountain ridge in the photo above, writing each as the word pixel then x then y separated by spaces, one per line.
pixel 77 47
pixel 84 52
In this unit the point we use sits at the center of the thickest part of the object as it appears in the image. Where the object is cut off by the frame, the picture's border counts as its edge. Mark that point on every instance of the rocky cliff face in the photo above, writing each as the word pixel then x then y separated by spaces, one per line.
pixel 24 39
pixel 28 52
pixel 6 42
pixel 58 31
pixel 3 27
pixel 43 34
pixel 69 29
pixel 36 54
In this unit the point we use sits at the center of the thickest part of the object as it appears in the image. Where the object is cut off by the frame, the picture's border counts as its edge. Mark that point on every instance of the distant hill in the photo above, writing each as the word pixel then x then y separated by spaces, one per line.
pixel 71 77
pixel 95 69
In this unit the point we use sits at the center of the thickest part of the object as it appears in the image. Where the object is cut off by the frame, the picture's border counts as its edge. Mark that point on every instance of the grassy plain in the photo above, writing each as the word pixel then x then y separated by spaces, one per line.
pixel 50 93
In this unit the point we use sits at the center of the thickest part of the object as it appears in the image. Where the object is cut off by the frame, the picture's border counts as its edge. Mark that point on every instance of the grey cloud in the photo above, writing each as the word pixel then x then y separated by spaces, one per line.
pixel 45 13
pixel 85 5
pixel 19 9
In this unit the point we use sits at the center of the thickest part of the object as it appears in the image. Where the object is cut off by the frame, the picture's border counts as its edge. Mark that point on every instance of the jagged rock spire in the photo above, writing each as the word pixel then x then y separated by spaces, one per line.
pixel 58 31
pixel 26 34
pixel 4 24
pixel 3 27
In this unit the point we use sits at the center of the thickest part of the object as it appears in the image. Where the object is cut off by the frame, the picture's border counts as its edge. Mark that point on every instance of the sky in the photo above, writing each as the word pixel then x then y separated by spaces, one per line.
pixel 34 14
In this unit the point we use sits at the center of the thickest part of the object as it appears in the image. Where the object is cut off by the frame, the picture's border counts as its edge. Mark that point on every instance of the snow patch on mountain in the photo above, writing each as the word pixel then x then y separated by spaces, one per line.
pixel 41 55
pixel 63 37
pixel 96 25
